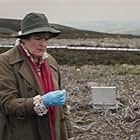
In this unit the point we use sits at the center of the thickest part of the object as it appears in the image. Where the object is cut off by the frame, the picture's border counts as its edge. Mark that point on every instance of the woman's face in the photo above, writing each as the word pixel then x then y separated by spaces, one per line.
pixel 36 44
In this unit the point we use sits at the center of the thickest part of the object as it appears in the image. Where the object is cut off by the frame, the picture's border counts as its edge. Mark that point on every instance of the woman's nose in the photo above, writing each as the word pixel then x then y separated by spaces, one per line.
pixel 44 42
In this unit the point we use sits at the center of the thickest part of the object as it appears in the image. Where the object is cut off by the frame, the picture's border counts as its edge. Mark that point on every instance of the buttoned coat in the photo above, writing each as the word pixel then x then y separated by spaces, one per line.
pixel 18 86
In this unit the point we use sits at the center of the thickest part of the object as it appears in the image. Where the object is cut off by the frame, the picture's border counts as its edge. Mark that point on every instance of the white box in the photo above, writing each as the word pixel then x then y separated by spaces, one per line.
pixel 104 97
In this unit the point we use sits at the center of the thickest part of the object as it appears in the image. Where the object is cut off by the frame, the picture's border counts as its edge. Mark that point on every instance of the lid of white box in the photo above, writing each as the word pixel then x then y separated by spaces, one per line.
pixel 104 95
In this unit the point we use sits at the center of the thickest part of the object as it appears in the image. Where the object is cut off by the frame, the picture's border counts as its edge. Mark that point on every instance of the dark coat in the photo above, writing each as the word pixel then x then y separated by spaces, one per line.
pixel 18 86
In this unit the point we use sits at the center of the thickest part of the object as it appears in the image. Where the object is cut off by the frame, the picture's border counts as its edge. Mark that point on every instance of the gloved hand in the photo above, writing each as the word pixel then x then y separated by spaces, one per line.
pixel 54 98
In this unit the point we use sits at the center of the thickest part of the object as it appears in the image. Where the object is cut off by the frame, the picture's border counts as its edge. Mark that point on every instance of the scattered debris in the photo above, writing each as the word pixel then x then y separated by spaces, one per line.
pixel 88 124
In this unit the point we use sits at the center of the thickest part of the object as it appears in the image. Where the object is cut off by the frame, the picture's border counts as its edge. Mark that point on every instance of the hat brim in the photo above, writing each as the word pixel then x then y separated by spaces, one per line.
pixel 53 32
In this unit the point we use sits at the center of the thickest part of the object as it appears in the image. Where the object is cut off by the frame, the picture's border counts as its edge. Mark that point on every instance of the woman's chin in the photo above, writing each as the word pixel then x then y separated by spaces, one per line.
pixel 38 55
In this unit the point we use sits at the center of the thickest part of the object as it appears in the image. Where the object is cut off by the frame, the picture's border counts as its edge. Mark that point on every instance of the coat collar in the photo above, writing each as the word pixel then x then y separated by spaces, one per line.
pixel 25 70
pixel 17 56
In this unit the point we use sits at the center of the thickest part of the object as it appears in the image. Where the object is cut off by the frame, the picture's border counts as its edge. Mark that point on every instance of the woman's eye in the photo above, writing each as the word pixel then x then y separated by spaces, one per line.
pixel 40 37
pixel 37 38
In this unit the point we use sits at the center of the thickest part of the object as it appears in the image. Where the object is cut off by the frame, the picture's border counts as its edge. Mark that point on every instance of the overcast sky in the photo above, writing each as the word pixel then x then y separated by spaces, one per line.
pixel 65 11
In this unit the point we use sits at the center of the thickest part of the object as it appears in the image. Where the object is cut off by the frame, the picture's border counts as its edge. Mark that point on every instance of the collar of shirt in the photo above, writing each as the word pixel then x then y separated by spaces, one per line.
pixel 41 60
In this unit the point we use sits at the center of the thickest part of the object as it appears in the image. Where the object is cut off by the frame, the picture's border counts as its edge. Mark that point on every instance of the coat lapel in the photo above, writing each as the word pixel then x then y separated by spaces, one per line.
pixel 25 69
pixel 28 74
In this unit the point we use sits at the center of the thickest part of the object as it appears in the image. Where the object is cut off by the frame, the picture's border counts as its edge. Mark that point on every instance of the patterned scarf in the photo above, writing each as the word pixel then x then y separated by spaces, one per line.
pixel 44 75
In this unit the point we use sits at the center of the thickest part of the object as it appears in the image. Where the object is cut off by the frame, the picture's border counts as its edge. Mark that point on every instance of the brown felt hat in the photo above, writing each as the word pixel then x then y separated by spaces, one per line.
pixel 35 23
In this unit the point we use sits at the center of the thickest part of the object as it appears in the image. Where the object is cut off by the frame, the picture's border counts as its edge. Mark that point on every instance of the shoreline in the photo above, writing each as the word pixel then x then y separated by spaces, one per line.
pixel 103 42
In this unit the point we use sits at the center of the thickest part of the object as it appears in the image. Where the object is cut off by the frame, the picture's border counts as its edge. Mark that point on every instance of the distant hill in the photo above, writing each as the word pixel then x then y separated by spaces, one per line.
pixel 11 26
pixel 132 31
pixel 108 26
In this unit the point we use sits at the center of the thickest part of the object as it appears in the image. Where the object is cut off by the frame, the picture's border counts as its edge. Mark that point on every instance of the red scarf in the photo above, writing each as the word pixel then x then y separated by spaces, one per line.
pixel 46 82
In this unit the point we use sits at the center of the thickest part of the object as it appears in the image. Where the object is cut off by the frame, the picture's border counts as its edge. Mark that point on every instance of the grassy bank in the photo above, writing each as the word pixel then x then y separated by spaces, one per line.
pixel 82 57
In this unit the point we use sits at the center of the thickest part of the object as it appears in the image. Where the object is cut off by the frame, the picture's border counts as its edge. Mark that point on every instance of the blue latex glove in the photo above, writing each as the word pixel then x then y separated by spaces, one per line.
pixel 54 98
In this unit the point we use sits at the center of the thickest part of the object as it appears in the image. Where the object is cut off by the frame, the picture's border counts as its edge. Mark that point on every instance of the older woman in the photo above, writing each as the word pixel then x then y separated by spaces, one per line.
pixel 30 97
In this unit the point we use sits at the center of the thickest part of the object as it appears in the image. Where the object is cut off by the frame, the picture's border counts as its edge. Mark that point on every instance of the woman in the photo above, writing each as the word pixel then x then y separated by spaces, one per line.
pixel 30 96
